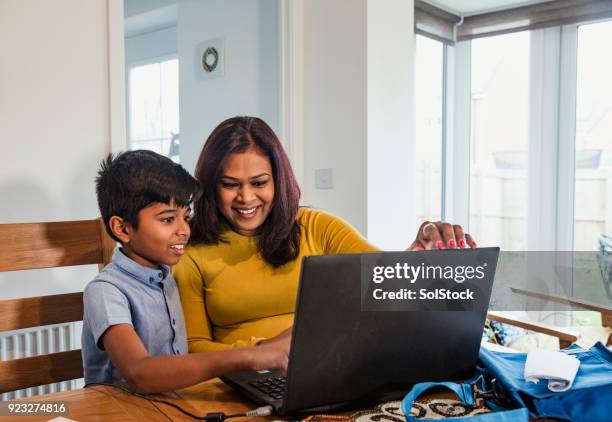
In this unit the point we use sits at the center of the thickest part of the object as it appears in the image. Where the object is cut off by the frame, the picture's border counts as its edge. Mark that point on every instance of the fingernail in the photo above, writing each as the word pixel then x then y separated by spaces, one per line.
pixel 440 245
pixel 475 245
pixel 461 243
pixel 452 244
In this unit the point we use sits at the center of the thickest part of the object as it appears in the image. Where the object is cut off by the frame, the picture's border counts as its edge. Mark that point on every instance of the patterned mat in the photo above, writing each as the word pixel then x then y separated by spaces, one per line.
pixel 435 408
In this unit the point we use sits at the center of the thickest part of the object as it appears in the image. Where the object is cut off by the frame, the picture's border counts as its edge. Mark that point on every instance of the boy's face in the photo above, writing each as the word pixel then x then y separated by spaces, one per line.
pixel 161 237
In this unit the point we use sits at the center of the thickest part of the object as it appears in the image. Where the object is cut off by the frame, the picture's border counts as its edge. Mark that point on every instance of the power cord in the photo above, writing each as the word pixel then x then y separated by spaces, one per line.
pixel 212 417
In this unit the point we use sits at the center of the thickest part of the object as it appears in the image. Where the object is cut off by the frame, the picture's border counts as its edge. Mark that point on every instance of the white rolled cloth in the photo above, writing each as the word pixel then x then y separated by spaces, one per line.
pixel 557 367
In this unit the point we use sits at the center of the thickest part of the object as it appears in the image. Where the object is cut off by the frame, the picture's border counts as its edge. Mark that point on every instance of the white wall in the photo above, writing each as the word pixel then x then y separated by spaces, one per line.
pixel 55 122
pixel 358 88
pixel 55 118
pixel 391 214
pixel 250 84
pixel 335 109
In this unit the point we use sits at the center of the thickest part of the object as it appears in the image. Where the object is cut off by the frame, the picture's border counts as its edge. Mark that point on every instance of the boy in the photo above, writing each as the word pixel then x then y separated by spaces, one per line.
pixel 133 326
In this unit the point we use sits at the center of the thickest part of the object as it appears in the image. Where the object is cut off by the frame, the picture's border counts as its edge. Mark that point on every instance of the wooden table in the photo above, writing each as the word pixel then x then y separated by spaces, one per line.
pixel 102 403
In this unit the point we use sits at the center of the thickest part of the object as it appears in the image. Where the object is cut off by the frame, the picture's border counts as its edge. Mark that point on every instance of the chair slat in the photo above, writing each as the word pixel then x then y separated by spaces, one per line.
pixel 108 245
pixel 565 336
pixel 56 244
pixel 40 370
pixel 41 310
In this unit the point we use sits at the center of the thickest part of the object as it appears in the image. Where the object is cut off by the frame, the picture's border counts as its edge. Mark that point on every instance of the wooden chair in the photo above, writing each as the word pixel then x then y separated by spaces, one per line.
pixel 46 245
pixel 565 336
pixel 568 336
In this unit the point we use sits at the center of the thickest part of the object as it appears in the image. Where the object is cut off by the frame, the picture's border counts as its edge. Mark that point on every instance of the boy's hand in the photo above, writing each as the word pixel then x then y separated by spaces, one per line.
pixel 152 374
pixel 272 353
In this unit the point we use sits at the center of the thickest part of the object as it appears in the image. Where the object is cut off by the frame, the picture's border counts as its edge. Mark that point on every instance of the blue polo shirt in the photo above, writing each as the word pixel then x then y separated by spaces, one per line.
pixel 126 292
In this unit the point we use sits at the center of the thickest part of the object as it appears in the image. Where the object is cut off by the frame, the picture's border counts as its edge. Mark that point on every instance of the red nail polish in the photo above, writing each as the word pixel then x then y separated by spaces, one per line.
pixel 440 245
pixel 475 245
pixel 461 243
pixel 452 244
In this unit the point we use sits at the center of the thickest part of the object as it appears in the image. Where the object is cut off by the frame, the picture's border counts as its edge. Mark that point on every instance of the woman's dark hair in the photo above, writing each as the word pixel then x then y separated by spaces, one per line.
pixel 279 236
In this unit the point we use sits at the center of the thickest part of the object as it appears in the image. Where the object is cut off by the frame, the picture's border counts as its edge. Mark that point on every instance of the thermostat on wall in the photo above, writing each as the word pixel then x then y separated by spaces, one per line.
pixel 210 59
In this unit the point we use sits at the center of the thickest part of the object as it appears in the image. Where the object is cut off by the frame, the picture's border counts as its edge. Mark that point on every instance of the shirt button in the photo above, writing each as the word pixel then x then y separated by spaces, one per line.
pixel 151 279
pixel 160 275
pixel 173 321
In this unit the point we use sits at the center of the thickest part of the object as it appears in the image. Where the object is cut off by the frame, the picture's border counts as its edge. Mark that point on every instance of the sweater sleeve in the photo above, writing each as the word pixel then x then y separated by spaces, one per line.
pixel 336 236
pixel 193 299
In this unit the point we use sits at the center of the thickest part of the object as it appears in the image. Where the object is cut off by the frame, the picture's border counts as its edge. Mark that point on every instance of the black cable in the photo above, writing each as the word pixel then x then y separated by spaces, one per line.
pixel 158 407
pixel 213 416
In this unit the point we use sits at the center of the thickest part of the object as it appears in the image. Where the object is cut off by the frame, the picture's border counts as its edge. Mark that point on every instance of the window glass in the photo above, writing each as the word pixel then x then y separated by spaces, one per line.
pixel 593 185
pixel 499 140
pixel 428 148
pixel 154 108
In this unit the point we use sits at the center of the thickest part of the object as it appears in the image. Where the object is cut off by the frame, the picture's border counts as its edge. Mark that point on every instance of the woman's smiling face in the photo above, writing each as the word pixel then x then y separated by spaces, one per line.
pixel 245 191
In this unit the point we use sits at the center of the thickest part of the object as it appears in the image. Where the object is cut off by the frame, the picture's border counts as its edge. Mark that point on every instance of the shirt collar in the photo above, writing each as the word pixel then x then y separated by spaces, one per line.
pixel 140 272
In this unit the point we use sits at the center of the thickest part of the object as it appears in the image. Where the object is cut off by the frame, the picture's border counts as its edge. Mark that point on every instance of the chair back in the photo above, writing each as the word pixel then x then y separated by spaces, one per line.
pixel 47 245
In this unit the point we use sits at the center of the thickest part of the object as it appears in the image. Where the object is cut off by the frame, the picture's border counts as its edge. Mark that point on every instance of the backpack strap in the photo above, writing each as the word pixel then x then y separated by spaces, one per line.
pixel 465 393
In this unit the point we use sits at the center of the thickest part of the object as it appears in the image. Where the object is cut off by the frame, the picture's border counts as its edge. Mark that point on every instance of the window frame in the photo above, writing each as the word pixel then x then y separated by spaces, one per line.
pixel 446 116
pixel 552 136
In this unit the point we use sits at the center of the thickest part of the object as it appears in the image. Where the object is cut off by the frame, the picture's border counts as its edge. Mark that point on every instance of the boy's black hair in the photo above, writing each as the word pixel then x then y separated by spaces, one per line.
pixel 132 180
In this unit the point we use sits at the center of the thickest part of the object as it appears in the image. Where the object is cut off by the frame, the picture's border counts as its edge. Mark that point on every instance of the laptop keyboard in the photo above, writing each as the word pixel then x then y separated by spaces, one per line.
pixel 273 386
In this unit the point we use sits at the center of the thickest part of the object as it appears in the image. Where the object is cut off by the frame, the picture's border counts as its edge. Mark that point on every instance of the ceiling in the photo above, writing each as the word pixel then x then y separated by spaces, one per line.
pixel 150 20
pixel 474 7
pixel 143 16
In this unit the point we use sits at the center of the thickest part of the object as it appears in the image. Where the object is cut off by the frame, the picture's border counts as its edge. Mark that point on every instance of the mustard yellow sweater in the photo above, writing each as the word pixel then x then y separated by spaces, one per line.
pixel 232 298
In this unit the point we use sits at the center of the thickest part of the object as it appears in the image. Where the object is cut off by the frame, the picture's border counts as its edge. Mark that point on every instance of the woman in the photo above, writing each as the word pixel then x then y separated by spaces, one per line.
pixel 239 275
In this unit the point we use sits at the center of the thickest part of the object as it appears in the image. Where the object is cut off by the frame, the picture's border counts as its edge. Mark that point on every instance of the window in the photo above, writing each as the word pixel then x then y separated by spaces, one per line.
pixel 499 140
pixel 153 105
pixel 593 152
pixel 531 146
pixel 428 149
pixel 527 151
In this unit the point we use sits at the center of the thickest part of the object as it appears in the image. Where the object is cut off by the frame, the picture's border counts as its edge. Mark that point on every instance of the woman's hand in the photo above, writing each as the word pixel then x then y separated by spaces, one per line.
pixel 282 336
pixel 441 235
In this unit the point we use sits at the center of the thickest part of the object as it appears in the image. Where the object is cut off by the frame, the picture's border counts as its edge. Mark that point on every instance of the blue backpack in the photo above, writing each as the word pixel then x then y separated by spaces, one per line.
pixel 499 381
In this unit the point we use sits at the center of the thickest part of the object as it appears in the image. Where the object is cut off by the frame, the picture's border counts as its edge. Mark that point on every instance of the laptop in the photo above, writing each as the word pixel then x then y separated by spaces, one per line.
pixel 343 354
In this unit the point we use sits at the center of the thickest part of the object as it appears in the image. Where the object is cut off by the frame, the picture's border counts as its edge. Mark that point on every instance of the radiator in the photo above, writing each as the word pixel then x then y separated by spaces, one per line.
pixel 39 341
